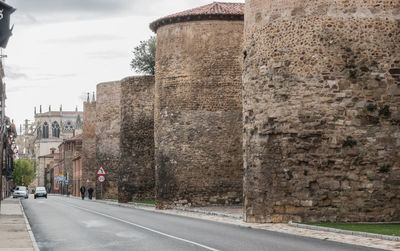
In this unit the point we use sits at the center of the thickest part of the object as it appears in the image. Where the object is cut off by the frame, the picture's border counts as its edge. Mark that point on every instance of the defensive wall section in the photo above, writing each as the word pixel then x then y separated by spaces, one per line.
pixel 108 124
pixel 198 107
pixel 89 166
pixel 321 110
pixel 136 166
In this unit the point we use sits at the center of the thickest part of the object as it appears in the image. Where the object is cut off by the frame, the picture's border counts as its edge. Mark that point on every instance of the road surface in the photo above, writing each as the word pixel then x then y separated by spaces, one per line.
pixel 61 223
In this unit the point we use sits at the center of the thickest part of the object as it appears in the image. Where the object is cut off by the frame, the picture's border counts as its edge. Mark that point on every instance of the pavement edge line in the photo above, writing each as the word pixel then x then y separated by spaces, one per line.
pixel 144 206
pixel 340 231
pixel 28 227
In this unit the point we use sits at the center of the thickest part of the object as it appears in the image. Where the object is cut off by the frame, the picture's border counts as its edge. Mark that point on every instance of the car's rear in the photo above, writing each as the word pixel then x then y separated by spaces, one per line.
pixel 20 192
pixel 40 192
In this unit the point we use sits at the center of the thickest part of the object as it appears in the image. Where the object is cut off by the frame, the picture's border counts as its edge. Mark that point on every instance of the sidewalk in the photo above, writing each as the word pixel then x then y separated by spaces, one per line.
pixel 15 232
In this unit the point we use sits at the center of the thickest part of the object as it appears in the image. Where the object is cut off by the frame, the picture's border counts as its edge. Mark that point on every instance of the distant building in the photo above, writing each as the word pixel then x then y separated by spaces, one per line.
pixel 48 162
pixel 70 150
pixel 48 131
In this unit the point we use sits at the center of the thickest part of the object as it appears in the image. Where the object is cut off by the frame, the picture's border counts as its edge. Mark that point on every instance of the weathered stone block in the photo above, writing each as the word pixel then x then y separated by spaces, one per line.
pixel 198 110
pixel 136 167
pixel 303 51
pixel 108 124
pixel 89 166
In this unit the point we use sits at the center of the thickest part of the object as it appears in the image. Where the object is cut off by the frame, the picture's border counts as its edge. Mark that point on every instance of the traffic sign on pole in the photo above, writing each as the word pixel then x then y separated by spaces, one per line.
pixel 101 178
pixel 101 171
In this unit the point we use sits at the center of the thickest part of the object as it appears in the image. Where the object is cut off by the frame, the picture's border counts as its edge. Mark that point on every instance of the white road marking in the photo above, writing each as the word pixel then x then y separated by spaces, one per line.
pixel 129 235
pixel 143 227
pixel 94 223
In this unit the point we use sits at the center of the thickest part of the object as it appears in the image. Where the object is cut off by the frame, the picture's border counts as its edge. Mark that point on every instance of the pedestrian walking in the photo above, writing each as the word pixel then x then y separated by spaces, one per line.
pixel 83 190
pixel 90 192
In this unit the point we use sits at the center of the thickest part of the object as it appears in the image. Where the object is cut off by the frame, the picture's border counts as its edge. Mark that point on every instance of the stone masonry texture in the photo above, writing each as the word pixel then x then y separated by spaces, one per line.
pixel 89 166
pixel 198 110
pixel 136 167
pixel 108 124
pixel 321 110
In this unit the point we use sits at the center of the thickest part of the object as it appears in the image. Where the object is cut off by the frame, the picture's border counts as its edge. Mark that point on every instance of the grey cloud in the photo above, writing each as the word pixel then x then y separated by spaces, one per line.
pixel 14 73
pixel 52 76
pixel 18 88
pixel 58 6
pixel 24 18
pixel 49 11
pixel 86 39
pixel 107 54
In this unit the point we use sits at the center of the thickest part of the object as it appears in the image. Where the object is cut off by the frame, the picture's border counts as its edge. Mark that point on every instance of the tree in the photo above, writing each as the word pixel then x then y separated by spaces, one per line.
pixel 144 59
pixel 24 171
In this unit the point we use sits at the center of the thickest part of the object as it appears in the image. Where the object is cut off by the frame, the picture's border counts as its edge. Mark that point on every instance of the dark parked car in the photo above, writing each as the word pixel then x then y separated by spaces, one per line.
pixel 40 192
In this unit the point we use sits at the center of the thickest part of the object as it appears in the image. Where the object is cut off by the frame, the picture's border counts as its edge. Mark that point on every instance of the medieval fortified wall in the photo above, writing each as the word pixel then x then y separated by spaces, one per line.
pixel 198 107
pixel 321 110
pixel 108 122
pixel 136 166
pixel 89 166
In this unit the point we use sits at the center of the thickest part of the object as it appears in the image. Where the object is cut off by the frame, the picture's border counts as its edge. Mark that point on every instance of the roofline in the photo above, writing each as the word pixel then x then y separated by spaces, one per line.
pixel 12 9
pixel 191 18
pixel 46 156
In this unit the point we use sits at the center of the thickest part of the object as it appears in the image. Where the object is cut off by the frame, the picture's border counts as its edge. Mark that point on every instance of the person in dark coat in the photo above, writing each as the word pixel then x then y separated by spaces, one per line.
pixel 90 193
pixel 83 190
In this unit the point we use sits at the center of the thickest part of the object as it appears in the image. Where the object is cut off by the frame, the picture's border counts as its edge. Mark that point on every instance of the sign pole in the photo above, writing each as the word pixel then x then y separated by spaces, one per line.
pixel 101 177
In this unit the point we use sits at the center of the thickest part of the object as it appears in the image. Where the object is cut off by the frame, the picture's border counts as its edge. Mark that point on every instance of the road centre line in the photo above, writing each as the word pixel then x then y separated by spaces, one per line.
pixel 143 227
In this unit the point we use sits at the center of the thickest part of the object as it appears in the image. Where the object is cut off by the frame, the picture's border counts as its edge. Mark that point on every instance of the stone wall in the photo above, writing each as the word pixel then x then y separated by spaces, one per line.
pixel 108 123
pixel 89 166
pixel 136 168
pixel 198 110
pixel 321 110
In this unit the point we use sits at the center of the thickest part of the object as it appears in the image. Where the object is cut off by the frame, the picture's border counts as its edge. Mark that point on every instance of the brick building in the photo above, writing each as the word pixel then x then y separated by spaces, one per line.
pixel 70 151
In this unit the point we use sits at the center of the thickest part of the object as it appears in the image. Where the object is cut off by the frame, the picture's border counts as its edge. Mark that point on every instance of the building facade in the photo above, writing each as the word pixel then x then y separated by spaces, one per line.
pixel 48 131
pixel 69 150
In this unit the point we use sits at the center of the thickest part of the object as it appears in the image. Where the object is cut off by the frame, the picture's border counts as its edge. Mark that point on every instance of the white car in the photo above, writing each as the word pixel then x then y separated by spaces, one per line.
pixel 21 191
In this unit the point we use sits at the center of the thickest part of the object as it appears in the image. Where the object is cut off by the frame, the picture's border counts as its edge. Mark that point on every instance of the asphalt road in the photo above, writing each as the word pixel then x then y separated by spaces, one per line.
pixel 61 223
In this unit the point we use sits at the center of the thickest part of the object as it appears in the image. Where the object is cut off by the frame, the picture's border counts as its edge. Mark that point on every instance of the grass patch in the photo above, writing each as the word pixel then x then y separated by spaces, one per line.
pixel 148 202
pixel 392 229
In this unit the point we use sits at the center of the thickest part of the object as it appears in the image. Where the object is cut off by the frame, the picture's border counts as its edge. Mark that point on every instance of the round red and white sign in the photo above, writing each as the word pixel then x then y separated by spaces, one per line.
pixel 101 178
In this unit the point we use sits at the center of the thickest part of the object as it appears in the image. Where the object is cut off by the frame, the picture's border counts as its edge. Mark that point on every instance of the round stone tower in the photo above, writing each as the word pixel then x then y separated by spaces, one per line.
pixel 198 106
pixel 108 128
pixel 321 110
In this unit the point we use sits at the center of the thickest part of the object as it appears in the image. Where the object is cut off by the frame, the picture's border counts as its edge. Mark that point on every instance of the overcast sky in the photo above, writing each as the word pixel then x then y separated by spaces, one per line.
pixel 60 49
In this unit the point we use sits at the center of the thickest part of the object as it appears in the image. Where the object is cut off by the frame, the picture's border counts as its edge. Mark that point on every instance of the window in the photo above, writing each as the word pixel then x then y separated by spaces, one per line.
pixel 56 129
pixel 45 130
pixel 68 126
